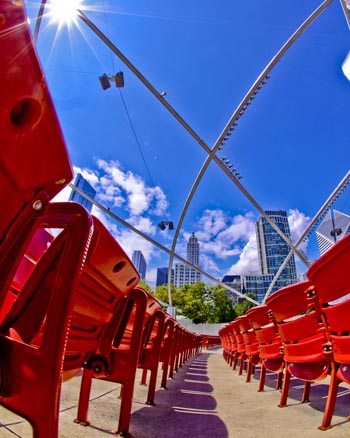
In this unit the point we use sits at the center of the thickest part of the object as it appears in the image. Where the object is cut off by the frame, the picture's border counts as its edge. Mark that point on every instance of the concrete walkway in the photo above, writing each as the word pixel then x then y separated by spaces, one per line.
pixel 205 399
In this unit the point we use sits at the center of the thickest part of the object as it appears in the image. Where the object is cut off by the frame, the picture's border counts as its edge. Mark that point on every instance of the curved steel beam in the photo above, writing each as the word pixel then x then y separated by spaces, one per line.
pixel 154 242
pixel 322 211
pixel 242 107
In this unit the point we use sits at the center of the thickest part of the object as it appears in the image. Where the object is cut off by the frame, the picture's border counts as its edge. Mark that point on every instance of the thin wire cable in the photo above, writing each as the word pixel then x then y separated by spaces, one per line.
pixel 139 145
pixel 108 33
pixel 127 111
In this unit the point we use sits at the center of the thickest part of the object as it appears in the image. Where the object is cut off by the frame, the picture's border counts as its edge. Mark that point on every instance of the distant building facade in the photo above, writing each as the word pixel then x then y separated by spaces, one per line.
pixel 183 274
pixel 272 249
pixel 334 226
pixel 85 187
pixel 139 262
pixel 162 276
pixel 234 281
pixel 257 284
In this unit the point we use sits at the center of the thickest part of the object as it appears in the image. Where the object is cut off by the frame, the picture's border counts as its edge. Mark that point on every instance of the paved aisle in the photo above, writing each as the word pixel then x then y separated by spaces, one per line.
pixel 205 399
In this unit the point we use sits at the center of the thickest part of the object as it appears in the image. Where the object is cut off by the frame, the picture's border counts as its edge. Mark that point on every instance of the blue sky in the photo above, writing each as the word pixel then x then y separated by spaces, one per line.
pixel 291 145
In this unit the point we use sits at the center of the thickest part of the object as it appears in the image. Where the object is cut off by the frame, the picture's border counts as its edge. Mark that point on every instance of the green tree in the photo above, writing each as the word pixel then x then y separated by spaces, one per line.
pixel 144 285
pixel 241 308
pixel 161 293
pixel 222 310
pixel 193 305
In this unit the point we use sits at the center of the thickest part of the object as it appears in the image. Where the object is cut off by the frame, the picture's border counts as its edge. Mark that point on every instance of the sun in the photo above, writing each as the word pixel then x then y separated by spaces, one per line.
pixel 63 12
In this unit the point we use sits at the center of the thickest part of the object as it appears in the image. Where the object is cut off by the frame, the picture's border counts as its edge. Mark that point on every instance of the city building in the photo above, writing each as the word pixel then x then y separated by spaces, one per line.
pixel 334 226
pixel 85 187
pixel 183 274
pixel 258 285
pixel 193 250
pixel 272 249
pixel 139 262
pixel 162 276
pixel 234 281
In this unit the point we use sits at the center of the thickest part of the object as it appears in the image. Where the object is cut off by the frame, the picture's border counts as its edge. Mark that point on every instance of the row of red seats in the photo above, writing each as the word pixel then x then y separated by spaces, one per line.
pixel 303 330
pixel 69 299
pixel 211 341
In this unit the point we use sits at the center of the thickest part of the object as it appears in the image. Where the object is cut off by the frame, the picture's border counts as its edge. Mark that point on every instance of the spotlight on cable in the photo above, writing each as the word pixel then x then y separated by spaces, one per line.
pixel 162 225
pixel 104 81
pixel 119 79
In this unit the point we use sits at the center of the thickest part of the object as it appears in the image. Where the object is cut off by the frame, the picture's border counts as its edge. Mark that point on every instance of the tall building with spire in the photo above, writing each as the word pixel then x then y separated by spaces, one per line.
pixel 272 249
pixel 184 274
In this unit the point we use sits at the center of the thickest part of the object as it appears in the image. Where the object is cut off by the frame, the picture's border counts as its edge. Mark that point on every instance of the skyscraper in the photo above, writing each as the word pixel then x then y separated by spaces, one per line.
pixel 139 262
pixel 184 274
pixel 193 250
pixel 272 249
pixel 334 226
pixel 85 187
pixel 162 276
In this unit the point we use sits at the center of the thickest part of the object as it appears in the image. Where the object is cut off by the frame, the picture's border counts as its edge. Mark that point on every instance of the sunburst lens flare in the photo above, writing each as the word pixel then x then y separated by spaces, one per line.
pixel 63 12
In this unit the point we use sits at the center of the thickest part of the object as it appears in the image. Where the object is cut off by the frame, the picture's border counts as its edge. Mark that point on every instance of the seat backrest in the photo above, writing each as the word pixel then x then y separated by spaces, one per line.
pixel 150 330
pixel 331 285
pixel 34 163
pixel 295 318
pixel 107 277
pixel 264 327
pixel 301 329
pixel 330 273
pixel 248 334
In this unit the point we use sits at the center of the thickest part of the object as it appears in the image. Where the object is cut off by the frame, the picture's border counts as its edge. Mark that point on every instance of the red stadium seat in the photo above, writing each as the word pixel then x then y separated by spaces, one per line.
pixel 270 343
pixel 251 354
pixel 122 363
pixel 34 164
pixel 330 289
pixel 303 336
pixel 165 350
pixel 34 330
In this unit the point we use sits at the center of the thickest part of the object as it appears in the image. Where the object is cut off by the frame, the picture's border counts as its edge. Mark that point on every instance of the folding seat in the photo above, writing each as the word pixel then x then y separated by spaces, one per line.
pixel 35 298
pixel 241 355
pixel 132 335
pixel 166 346
pixel 149 357
pixel 224 334
pixel 232 351
pixel 330 289
pixel 179 348
pixel 270 343
pixel 33 332
pixel 174 349
pixel 303 335
pixel 34 164
pixel 251 354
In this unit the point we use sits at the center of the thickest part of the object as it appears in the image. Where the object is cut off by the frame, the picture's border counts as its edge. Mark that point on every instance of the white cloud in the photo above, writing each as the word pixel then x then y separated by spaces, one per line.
pixel 223 236
pixel 151 277
pixel 248 260
pixel 298 222
pixel 130 188
pixel 63 195
pixel 117 188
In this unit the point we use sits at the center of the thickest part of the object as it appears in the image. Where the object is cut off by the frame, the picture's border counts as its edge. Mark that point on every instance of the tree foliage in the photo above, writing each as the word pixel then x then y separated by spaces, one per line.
pixel 241 308
pixel 199 302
